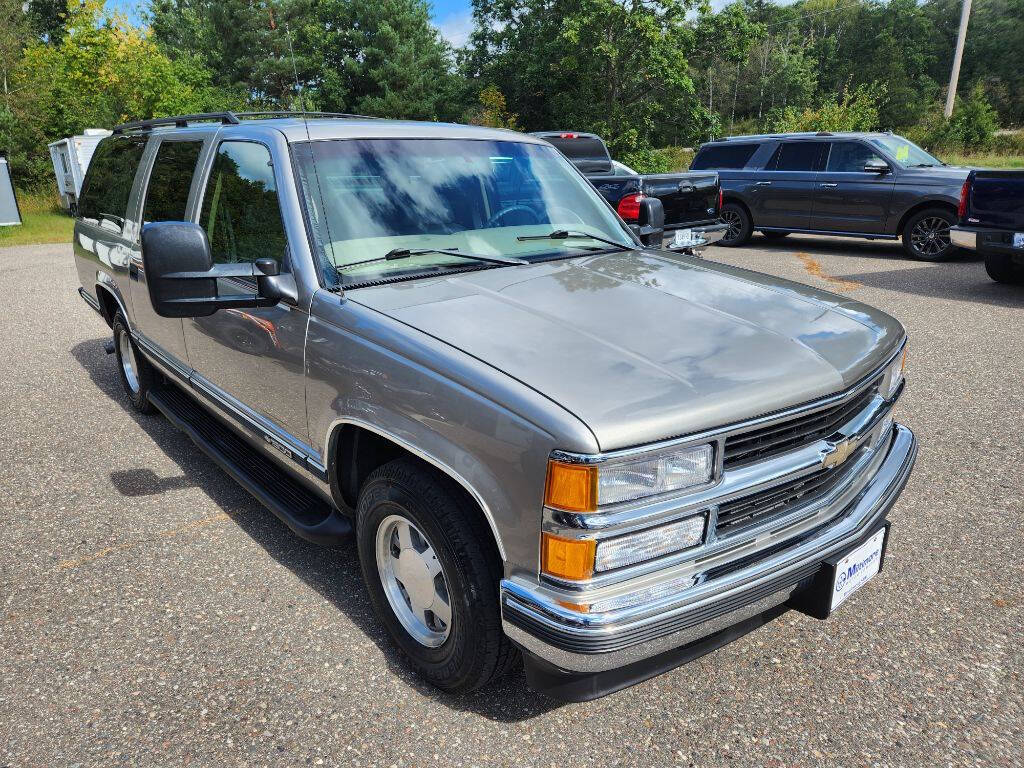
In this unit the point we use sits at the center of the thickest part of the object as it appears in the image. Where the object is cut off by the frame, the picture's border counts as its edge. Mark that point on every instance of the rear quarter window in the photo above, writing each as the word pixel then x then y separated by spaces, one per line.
pixel 108 181
pixel 723 157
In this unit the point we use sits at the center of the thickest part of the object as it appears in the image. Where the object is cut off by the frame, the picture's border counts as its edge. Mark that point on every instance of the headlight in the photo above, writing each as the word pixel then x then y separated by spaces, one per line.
pixel 585 487
pixel 894 375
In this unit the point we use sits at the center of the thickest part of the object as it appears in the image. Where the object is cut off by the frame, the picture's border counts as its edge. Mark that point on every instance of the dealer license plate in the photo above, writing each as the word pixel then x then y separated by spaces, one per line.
pixel 683 238
pixel 854 570
pixel 1018 239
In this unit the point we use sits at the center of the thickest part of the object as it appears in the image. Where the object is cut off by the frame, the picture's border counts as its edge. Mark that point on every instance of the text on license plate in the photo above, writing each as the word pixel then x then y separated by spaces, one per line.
pixel 853 571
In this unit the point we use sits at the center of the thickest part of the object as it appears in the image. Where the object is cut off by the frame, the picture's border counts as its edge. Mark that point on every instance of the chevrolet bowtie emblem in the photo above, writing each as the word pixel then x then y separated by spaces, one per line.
pixel 838 453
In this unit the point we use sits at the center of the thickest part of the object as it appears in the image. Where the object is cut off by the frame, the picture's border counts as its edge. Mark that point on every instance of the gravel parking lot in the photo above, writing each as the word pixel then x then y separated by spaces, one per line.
pixel 152 613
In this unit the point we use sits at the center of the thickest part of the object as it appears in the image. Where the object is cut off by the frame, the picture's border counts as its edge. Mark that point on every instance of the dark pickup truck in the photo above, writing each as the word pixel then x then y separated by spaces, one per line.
pixel 992 222
pixel 692 201
pixel 877 186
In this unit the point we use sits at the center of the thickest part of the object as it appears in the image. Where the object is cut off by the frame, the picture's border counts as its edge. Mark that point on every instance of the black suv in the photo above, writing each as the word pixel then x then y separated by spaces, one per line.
pixel 873 185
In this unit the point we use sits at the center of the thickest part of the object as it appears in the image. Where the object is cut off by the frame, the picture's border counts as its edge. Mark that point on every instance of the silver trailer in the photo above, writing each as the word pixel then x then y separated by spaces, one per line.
pixel 71 158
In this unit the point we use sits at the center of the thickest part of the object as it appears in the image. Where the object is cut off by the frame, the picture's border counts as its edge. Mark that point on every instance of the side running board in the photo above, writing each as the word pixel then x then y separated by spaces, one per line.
pixel 299 508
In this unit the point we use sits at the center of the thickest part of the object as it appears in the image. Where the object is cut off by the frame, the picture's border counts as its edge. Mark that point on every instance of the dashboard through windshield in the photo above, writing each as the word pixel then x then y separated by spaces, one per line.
pixel 367 198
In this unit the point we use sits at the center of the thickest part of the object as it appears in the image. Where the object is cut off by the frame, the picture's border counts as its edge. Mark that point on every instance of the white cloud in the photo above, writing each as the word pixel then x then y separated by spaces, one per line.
pixel 456 27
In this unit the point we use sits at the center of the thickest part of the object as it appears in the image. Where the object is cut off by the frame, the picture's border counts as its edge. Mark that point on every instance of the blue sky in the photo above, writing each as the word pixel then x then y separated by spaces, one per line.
pixel 452 17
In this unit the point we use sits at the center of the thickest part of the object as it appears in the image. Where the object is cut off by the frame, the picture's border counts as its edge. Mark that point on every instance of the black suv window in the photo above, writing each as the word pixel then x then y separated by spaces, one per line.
pixel 241 214
pixel 796 156
pixel 723 156
pixel 108 182
pixel 170 180
pixel 849 157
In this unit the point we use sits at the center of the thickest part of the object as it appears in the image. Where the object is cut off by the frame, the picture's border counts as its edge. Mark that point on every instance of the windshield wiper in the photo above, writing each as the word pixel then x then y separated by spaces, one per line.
pixel 404 253
pixel 565 234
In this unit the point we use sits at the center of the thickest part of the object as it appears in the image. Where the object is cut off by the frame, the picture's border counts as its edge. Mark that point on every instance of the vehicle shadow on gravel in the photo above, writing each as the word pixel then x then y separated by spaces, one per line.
pixel 333 573
pixel 888 250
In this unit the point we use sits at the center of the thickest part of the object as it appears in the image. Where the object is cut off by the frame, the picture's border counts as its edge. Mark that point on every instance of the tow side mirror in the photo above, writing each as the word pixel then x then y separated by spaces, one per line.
pixel 876 165
pixel 182 278
pixel 650 224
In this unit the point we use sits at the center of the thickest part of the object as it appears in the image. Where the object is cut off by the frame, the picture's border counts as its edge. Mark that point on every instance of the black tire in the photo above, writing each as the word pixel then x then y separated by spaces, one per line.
pixel 926 235
pixel 773 235
pixel 475 651
pixel 740 226
pixel 137 376
pixel 1002 269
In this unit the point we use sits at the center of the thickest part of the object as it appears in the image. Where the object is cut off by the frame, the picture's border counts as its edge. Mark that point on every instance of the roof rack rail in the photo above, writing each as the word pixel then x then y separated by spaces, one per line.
pixel 291 113
pixel 180 121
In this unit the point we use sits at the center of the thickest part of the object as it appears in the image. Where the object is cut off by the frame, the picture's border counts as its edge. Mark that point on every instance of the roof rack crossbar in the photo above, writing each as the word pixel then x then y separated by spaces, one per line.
pixel 180 121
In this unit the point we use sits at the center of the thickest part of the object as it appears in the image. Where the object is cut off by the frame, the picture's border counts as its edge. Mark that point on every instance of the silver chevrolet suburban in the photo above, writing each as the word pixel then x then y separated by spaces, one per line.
pixel 551 441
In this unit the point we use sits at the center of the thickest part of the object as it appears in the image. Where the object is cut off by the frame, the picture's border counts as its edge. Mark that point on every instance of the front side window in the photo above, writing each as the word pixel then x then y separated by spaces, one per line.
pixel 241 213
pixel 796 156
pixel 108 182
pixel 849 157
pixel 905 152
pixel 370 198
pixel 170 181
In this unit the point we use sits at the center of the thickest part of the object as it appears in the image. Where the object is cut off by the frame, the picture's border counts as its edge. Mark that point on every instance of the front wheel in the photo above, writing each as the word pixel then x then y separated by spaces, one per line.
pixel 926 235
pixel 736 218
pixel 1002 269
pixel 432 573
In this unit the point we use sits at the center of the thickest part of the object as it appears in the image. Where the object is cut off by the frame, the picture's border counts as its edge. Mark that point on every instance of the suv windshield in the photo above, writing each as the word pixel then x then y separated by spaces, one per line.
pixel 368 198
pixel 904 152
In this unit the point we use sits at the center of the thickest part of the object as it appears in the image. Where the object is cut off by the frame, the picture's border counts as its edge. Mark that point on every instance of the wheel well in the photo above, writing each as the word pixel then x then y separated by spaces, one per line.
pixel 948 207
pixel 740 203
pixel 354 452
pixel 108 304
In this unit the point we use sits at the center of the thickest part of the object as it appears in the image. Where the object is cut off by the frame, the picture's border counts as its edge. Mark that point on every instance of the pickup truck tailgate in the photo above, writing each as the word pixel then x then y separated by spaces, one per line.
pixel 997 200
pixel 691 197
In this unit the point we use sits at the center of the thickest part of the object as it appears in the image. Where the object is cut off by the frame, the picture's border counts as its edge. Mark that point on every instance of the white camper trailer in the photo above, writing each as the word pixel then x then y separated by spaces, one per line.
pixel 71 158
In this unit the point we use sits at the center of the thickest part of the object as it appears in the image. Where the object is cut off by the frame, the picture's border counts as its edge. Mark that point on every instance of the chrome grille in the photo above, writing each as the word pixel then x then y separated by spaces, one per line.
pixel 771 440
pixel 755 509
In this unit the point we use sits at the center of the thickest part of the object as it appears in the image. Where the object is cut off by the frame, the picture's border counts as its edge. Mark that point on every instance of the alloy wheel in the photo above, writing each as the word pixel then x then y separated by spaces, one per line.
pixel 930 236
pixel 413 581
pixel 734 223
pixel 129 364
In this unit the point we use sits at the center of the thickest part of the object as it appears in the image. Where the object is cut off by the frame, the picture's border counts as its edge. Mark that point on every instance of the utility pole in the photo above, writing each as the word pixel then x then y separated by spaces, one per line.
pixel 958 54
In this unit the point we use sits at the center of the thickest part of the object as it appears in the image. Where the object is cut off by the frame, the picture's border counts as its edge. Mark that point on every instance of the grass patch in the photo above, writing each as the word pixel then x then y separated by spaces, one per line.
pixel 983 159
pixel 42 221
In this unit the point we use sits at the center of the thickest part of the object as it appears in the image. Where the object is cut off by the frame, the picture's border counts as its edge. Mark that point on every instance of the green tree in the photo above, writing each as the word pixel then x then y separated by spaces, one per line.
pixel 382 58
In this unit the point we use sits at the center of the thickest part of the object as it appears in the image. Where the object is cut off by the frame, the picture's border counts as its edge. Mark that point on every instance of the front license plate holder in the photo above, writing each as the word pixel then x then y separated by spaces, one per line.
pixel 829 588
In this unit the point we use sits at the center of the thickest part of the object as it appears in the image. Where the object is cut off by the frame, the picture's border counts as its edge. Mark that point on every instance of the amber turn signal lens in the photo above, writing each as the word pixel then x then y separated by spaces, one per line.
pixel 572 487
pixel 567 558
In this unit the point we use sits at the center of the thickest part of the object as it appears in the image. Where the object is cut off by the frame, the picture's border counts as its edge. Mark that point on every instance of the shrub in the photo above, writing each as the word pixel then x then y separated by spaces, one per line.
pixel 856 110
pixel 972 125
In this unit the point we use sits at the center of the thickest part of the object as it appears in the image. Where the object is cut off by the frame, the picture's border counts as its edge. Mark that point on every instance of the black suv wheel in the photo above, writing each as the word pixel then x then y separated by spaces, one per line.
pixel 432 574
pixel 926 235
pixel 738 220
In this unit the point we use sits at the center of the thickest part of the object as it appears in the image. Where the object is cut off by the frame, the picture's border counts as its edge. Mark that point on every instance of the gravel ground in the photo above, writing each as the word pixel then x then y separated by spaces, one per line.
pixel 152 613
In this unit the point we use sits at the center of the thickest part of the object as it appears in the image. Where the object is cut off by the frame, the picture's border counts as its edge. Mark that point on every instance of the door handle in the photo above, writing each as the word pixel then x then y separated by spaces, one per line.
pixel 762 184
pixel 830 184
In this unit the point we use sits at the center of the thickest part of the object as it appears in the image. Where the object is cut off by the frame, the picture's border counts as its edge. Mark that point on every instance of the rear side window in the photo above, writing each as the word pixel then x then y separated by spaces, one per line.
pixel 170 180
pixel 849 157
pixel 797 156
pixel 241 213
pixel 108 182
pixel 723 157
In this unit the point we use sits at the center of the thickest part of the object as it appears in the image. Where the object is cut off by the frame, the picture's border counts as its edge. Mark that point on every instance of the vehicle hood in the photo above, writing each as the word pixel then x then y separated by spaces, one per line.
pixel 645 346
pixel 944 175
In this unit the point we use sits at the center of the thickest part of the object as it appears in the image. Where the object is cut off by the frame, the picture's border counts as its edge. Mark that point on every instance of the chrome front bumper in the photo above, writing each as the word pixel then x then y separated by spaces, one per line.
pixel 963 238
pixel 594 643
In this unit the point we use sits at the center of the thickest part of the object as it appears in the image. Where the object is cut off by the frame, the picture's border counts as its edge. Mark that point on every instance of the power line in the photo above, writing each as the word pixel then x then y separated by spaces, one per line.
pixel 803 16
